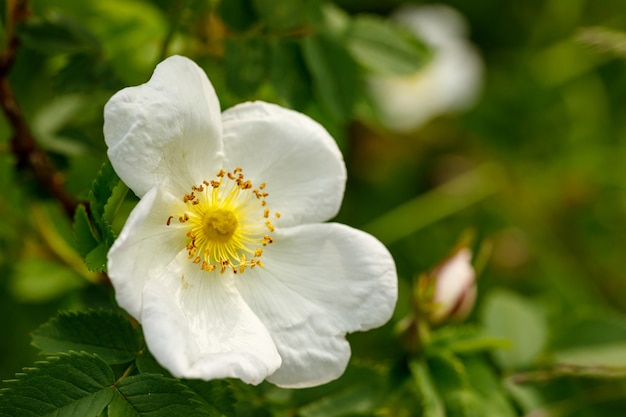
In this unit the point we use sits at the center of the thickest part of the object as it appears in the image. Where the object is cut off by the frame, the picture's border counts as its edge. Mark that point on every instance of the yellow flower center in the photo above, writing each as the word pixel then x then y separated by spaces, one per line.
pixel 227 223
pixel 219 225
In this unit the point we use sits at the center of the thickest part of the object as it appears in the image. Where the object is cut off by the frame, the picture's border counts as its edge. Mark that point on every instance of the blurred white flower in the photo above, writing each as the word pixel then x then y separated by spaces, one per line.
pixel 450 82
pixel 454 291
pixel 224 260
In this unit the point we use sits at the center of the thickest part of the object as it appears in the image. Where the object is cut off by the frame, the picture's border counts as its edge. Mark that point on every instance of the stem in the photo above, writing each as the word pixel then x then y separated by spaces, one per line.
pixel 566 370
pixel 23 143
pixel 127 371
pixel 450 198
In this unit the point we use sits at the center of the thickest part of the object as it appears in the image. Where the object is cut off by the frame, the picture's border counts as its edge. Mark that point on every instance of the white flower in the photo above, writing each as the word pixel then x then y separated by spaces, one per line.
pixel 450 82
pixel 455 288
pixel 224 260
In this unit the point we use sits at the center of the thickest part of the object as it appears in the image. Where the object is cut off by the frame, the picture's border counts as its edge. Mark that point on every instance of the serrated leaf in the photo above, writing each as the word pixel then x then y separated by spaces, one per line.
pixel 107 334
pixel 74 384
pixel 96 260
pixel 105 197
pixel 115 200
pixel 149 395
pixel 334 75
pixel 383 48
pixel 85 239
pixel 102 189
pixel 215 396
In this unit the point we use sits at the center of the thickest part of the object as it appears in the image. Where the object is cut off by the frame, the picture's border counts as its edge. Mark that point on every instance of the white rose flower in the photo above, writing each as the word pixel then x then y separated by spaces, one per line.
pixel 225 261
pixel 450 82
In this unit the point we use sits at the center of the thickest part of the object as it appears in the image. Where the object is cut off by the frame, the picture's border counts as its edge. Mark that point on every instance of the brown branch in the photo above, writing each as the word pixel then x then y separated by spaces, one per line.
pixel 23 143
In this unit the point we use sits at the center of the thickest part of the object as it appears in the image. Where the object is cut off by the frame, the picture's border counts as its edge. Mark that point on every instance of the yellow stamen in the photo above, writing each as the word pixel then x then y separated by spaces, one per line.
pixel 225 223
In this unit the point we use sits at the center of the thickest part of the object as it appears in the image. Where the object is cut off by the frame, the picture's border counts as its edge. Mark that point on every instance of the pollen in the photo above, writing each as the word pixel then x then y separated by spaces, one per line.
pixel 226 223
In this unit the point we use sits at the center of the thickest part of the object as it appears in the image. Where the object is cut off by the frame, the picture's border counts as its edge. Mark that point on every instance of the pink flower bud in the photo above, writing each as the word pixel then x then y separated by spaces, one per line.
pixel 454 288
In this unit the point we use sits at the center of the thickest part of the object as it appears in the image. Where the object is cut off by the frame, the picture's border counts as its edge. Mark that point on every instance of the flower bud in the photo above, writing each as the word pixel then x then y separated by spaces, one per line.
pixel 454 288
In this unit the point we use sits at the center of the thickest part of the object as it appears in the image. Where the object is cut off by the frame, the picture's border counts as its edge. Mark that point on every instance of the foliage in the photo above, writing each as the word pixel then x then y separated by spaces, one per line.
pixel 534 171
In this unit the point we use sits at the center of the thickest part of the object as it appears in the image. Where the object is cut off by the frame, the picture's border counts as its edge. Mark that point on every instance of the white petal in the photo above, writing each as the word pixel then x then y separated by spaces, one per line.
pixel 294 155
pixel 167 130
pixel 319 282
pixel 450 82
pixel 197 326
pixel 145 247
pixel 436 24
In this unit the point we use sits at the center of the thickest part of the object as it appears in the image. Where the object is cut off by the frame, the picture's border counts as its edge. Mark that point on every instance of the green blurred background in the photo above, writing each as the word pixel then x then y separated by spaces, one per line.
pixel 537 165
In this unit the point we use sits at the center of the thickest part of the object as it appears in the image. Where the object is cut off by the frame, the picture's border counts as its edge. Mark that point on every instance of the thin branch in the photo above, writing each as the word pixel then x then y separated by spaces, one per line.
pixel 23 143
pixel 566 370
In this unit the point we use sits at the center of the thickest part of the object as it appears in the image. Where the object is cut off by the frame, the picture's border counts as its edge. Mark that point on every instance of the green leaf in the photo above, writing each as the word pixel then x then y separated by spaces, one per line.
pixel 147 364
pixel 432 405
pixel 96 260
pixel 55 34
pixel 216 397
pixel 485 383
pixel 510 316
pixel 82 72
pixel 107 334
pixel 70 385
pixel 95 235
pixel 350 401
pixel 102 190
pixel 149 395
pixel 383 48
pixel 246 65
pixel 85 238
pixel 466 339
pixel 289 75
pixel 114 202
pixel 335 75
pixel 452 382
